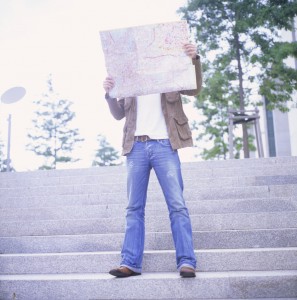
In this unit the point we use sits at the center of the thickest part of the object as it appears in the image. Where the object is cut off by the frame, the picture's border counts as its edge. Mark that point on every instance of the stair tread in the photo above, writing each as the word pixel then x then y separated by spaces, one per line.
pixel 293 212
pixel 149 275
pixel 252 204
pixel 151 252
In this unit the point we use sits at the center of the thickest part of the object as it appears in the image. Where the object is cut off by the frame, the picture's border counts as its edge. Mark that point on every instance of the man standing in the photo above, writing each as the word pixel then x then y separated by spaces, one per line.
pixel 156 126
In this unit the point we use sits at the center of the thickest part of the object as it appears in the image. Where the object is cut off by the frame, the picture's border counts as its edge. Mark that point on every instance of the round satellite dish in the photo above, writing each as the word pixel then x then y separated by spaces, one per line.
pixel 13 95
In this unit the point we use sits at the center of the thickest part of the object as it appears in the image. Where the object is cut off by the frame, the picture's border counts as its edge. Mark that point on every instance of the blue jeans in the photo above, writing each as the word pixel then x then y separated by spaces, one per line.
pixel 159 155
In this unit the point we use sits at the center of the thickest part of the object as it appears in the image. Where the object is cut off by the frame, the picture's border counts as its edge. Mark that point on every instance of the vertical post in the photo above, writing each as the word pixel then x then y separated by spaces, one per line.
pixel 8 144
pixel 231 154
pixel 258 134
pixel 259 138
pixel 294 39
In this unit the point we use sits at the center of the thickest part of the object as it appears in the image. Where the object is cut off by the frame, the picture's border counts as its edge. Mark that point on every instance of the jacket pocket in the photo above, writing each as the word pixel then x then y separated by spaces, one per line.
pixel 183 128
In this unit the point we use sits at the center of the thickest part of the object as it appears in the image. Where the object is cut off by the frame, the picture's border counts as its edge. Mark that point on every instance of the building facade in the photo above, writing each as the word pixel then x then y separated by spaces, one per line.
pixel 280 129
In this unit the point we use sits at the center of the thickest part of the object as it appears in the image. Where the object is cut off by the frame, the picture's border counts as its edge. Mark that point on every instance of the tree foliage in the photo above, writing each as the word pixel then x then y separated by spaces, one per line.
pixel 243 60
pixel 53 135
pixel 2 158
pixel 105 155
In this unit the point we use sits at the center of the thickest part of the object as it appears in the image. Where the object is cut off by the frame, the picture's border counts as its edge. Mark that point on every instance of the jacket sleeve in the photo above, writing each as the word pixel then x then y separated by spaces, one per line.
pixel 198 71
pixel 116 107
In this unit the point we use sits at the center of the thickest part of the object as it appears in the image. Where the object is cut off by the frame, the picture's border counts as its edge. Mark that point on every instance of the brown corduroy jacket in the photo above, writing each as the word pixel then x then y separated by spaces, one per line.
pixel 178 128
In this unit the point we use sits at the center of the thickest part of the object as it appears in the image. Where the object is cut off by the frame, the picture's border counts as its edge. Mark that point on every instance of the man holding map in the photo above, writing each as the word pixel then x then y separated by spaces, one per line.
pixel 155 127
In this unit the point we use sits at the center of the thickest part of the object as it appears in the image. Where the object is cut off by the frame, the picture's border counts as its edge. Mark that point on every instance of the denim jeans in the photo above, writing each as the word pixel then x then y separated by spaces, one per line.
pixel 159 155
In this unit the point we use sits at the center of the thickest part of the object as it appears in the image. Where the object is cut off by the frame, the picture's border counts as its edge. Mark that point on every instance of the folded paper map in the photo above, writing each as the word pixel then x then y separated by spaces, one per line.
pixel 148 59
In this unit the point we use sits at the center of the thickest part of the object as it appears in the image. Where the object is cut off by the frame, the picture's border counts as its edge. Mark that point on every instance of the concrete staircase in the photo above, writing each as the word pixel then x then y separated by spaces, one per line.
pixel 61 232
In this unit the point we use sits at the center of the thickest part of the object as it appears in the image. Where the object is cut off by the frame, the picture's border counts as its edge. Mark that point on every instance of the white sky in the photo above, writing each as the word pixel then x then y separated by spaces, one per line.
pixel 61 37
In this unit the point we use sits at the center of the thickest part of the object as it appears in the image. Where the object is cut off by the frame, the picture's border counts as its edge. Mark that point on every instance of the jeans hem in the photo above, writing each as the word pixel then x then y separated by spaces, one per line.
pixel 136 270
pixel 186 265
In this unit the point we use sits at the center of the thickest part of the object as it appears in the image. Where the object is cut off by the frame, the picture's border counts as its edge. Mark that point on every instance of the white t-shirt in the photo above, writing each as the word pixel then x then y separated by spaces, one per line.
pixel 150 119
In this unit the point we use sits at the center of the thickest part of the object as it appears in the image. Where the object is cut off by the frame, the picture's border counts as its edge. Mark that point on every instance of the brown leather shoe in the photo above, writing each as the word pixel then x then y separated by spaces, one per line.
pixel 187 272
pixel 123 272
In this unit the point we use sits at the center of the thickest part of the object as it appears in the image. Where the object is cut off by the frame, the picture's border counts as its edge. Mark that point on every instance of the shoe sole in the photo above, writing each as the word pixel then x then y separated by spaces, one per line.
pixel 187 274
pixel 120 274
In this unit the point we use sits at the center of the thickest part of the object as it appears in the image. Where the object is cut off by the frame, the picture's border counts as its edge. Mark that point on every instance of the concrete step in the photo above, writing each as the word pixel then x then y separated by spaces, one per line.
pixel 244 167
pixel 94 185
pixel 203 171
pixel 85 196
pixel 249 171
pixel 102 189
pixel 208 285
pixel 215 260
pixel 203 222
pixel 152 208
pixel 190 178
pixel 228 239
pixel 62 231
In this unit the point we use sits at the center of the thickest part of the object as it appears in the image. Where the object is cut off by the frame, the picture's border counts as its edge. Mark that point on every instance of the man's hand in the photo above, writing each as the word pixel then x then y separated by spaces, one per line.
pixel 190 50
pixel 108 84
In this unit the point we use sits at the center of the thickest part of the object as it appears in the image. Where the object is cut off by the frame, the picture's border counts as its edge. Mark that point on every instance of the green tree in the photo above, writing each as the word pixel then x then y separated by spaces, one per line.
pixel 243 60
pixel 53 135
pixel 2 158
pixel 105 155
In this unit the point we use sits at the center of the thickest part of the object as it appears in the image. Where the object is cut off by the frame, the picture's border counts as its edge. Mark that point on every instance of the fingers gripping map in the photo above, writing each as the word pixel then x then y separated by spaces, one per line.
pixel 148 59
